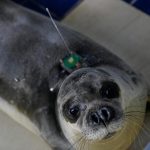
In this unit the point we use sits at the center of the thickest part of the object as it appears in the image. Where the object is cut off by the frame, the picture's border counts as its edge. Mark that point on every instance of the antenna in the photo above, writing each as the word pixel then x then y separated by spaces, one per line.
pixel 67 48
pixel 69 63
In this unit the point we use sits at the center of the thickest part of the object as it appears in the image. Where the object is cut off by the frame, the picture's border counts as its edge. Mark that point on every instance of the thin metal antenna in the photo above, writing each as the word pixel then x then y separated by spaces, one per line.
pixel 68 49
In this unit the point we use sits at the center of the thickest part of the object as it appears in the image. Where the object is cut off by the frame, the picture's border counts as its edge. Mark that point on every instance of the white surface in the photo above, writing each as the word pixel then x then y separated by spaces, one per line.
pixel 11 111
pixel 15 137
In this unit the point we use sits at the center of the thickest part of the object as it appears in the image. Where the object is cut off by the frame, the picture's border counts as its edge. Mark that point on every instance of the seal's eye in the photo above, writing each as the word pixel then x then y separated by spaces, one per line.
pixel 74 111
pixel 109 90
pixel 71 112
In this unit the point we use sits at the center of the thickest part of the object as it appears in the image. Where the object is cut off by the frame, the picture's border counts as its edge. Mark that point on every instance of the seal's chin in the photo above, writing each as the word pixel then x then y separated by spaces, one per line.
pixel 101 137
pixel 109 135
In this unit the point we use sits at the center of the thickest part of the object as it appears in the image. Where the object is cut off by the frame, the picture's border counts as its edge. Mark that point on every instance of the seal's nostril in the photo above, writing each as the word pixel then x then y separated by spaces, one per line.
pixel 106 114
pixel 95 118
pixel 103 115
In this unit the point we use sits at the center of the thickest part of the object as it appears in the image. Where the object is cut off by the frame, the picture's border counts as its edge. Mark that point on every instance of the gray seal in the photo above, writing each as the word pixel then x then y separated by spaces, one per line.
pixel 91 105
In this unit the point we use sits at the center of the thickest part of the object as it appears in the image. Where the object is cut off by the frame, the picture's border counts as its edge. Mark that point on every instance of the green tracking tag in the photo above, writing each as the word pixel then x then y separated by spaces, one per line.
pixel 71 62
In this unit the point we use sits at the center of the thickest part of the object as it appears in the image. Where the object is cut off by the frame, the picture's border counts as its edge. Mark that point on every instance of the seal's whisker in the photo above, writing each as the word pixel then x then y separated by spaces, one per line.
pixel 134 106
pixel 83 142
pixel 134 121
pixel 143 126
pixel 84 148
pixel 138 114
pixel 135 111
pixel 144 134
pixel 76 142
pixel 88 144
pixel 140 142
pixel 144 130
pixel 132 133
pixel 134 115
pixel 137 137
pixel 106 127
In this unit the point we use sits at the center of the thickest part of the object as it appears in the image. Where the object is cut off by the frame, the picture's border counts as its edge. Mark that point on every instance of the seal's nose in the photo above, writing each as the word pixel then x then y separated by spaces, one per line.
pixel 94 118
pixel 101 116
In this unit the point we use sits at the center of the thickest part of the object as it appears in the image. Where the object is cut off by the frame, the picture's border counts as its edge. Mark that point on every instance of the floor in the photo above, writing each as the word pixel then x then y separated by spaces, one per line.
pixel 112 23
pixel 18 138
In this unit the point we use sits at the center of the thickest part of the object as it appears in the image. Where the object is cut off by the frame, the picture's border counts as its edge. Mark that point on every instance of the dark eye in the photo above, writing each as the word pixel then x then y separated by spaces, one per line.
pixel 74 111
pixel 109 90
pixel 71 112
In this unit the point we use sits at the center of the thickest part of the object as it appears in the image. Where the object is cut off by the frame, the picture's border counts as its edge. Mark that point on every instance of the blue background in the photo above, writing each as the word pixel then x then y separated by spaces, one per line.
pixel 143 5
pixel 58 8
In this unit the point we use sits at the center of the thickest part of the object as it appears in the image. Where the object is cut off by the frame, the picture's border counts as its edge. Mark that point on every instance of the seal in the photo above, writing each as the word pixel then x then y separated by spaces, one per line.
pixel 100 106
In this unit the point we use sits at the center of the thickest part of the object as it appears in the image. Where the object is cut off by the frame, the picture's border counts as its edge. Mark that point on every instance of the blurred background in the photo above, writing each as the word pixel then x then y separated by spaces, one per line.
pixel 143 5
pixel 59 8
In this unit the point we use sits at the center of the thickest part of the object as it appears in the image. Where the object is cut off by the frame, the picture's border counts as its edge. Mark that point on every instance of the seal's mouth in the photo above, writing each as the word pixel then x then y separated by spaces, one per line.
pixel 109 135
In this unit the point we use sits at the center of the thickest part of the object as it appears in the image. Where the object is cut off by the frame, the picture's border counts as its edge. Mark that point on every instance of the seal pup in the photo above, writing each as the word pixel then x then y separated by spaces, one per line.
pixel 91 108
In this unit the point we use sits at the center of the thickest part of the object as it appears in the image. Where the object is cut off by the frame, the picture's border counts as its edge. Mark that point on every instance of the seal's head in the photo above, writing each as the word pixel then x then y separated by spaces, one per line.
pixel 96 105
